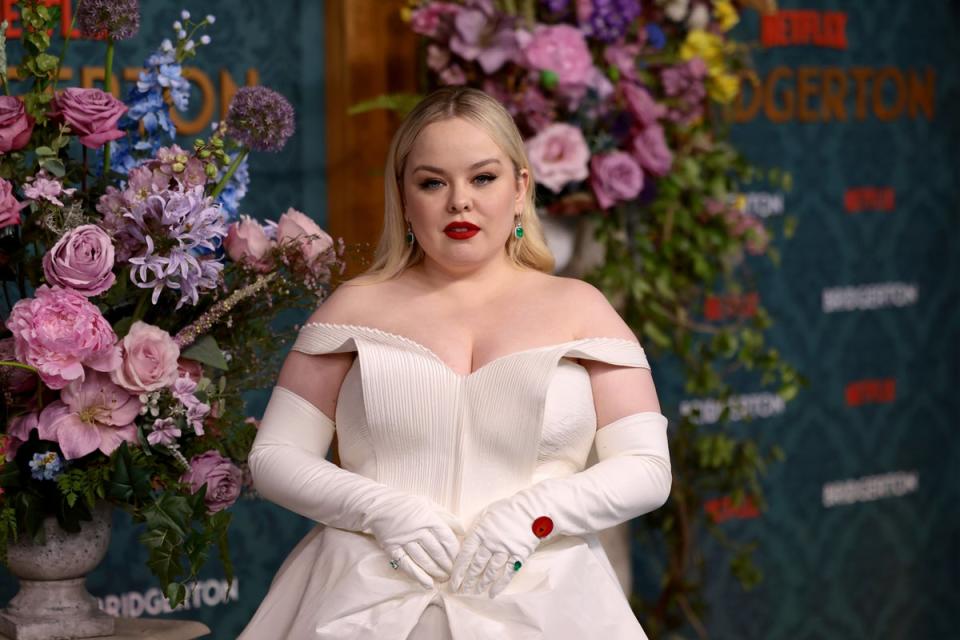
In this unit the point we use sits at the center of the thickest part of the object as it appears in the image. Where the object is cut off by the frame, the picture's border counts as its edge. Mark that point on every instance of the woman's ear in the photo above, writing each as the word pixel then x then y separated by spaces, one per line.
pixel 523 183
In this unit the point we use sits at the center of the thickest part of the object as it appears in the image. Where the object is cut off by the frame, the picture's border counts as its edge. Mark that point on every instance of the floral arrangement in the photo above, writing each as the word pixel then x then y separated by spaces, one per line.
pixel 621 106
pixel 143 298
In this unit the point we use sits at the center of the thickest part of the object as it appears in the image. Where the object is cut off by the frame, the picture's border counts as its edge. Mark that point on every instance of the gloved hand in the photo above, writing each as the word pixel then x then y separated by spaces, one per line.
pixel 632 477
pixel 288 466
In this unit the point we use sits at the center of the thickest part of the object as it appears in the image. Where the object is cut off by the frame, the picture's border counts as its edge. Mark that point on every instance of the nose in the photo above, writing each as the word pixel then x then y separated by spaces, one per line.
pixel 459 201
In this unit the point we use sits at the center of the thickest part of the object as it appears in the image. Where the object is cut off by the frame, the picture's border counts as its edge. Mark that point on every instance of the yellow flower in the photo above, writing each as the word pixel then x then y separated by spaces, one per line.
pixel 704 45
pixel 723 87
pixel 726 14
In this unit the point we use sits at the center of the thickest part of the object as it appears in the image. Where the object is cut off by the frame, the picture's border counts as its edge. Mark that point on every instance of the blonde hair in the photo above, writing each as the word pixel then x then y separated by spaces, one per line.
pixel 394 254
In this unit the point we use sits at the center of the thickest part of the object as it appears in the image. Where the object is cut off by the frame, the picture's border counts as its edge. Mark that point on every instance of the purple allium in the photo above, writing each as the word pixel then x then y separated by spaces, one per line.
pixel 260 118
pixel 611 19
pixel 114 19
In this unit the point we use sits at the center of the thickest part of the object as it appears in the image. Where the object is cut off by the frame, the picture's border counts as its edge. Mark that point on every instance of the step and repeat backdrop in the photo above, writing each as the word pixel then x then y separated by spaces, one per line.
pixel 858 102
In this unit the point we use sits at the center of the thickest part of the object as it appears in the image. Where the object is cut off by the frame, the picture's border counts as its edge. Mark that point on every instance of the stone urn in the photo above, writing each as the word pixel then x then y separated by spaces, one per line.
pixel 53 602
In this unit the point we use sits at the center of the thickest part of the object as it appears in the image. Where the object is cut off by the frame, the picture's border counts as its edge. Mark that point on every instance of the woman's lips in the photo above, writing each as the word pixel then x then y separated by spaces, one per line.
pixel 461 230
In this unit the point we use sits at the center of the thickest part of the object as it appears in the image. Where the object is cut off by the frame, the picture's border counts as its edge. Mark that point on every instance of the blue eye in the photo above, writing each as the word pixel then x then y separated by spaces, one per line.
pixel 430 184
pixel 485 178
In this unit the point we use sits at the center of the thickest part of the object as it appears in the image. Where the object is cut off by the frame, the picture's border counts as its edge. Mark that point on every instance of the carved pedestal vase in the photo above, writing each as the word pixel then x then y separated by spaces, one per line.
pixel 53 602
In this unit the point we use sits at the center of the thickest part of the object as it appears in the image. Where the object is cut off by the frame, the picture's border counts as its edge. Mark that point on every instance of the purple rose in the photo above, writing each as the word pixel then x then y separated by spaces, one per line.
pixel 16 124
pixel 561 49
pixel 642 105
pixel 82 261
pixel 149 359
pixel 91 113
pixel 9 206
pixel 59 332
pixel 651 151
pixel 615 177
pixel 558 155
pixel 222 477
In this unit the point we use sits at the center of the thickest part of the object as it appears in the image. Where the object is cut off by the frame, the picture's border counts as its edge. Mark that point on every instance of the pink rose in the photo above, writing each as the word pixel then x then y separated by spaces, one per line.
pixel 91 113
pixel 247 242
pixel 315 241
pixel 16 125
pixel 149 359
pixel 82 261
pixel 642 105
pixel 9 206
pixel 18 380
pixel 615 177
pixel 558 155
pixel 651 151
pixel 92 413
pixel 222 477
pixel 59 332
pixel 561 49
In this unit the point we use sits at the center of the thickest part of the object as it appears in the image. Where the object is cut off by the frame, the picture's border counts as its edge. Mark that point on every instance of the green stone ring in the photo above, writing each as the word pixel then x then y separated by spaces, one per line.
pixel 394 564
pixel 517 565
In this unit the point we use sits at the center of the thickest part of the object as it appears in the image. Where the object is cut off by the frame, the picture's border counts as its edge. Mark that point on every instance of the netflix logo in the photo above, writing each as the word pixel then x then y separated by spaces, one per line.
pixel 859 199
pixel 723 509
pixel 730 306
pixel 879 391
pixel 804 27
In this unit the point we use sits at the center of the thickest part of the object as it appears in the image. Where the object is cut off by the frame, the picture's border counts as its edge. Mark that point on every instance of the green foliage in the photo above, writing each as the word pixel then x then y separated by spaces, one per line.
pixel 662 261
pixel 89 483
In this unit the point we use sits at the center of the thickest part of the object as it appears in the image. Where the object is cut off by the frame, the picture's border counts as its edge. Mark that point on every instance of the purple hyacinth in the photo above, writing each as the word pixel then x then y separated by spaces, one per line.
pixel 172 225
pixel 114 19
pixel 610 19
pixel 260 118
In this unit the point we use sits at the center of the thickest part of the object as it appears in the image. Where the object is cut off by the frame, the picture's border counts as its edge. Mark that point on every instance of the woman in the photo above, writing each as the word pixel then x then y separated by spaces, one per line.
pixel 468 385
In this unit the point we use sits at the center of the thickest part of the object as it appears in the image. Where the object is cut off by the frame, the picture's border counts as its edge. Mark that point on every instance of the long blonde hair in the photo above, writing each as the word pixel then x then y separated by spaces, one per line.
pixel 394 254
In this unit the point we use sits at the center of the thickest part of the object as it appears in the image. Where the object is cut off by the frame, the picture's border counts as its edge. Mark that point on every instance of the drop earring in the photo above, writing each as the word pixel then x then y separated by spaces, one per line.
pixel 518 231
pixel 410 236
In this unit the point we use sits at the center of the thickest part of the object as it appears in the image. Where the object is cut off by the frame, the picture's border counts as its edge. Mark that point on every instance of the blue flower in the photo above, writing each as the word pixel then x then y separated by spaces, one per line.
pixel 655 37
pixel 46 466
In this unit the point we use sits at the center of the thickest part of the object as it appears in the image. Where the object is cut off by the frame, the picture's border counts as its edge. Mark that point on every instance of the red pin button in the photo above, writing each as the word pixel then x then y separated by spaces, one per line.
pixel 542 526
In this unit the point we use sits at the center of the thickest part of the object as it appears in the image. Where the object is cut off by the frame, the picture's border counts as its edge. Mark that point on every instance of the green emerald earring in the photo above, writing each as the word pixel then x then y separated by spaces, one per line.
pixel 518 232
pixel 410 236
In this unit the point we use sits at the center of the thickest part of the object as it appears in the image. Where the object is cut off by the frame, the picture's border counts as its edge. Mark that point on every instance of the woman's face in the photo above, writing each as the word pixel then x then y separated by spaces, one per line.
pixel 461 195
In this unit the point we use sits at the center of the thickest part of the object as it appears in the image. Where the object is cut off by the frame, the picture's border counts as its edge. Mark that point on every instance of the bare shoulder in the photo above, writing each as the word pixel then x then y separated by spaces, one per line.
pixel 349 303
pixel 595 316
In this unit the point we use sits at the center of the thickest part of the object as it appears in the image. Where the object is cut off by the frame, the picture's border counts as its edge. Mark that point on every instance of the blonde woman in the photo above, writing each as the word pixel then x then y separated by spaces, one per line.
pixel 466 385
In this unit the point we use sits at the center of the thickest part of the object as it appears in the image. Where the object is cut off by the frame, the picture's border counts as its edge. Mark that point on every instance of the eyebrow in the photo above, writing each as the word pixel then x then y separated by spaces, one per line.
pixel 475 165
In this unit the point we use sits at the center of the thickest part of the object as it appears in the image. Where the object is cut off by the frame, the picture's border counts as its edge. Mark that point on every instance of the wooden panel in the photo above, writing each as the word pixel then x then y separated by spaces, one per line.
pixel 369 52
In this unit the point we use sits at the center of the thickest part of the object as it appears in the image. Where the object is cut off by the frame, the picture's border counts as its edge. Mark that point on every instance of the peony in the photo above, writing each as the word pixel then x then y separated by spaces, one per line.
pixel 59 332
pixel 562 50
pixel 9 206
pixel 642 105
pixel 16 125
pixel 222 478
pixel 615 177
pixel 82 261
pixel 247 242
pixel 315 241
pixel 651 151
pixel 92 413
pixel 149 359
pixel 558 155
pixel 91 113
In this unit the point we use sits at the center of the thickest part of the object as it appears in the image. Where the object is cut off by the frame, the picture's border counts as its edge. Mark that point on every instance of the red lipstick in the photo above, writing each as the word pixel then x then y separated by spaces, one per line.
pixel 461 230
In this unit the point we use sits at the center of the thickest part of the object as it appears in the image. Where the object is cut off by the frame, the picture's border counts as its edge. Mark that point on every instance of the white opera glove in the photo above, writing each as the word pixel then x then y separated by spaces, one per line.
pixel 632 477
pixel 288 466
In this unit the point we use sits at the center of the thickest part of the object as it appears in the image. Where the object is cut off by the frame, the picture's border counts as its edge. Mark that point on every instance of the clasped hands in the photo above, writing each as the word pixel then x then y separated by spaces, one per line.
pixel 422 538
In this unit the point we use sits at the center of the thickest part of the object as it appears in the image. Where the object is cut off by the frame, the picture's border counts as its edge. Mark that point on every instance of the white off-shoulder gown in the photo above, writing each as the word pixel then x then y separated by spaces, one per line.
pixel 407 420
